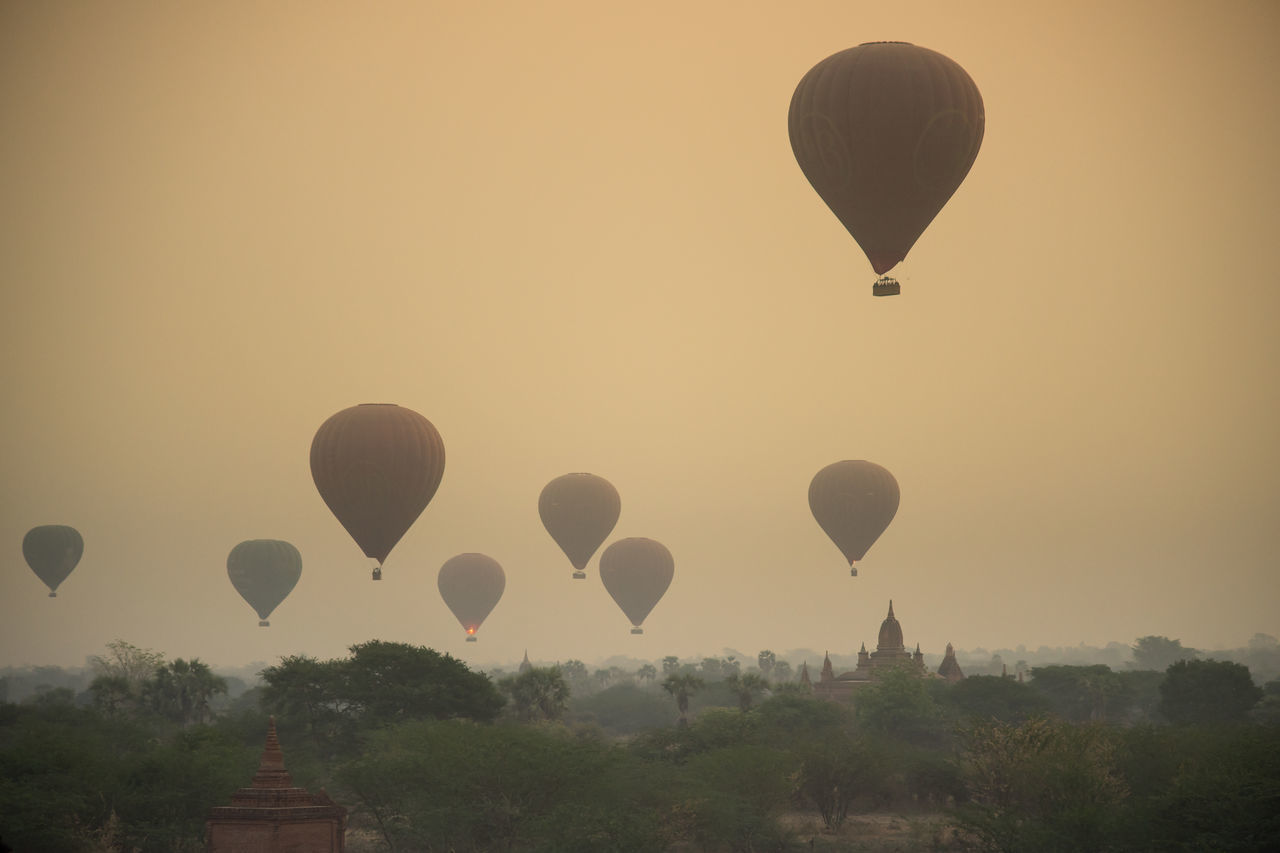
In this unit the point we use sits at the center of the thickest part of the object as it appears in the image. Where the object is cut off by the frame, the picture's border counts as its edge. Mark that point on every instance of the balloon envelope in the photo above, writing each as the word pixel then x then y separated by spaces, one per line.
pixel 886 132
pixel 52 551
pixel 377 466
pixel 579 511
pixel 636 572
pixel 264 572
pixel 853 501
pixel 471 585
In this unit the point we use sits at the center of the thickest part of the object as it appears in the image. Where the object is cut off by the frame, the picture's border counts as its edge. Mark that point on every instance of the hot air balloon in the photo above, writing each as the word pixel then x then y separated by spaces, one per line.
pixel 886 132
pixel 472 585
pixel 264 572
pixel 52 551
pixel 853 501
pixel 579 511
pixel 636 572
pixel 377 466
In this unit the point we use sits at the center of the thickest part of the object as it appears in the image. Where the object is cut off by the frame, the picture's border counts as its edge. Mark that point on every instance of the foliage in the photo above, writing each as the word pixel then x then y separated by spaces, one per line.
pixel 745 687
pixel 624 709
pixel 537 694
pixel 898 705
pixel 1080 693
pixel 380 684
pixel 125 660
pixel 455 785
pixel 182 691
pixel 1043 785
pixel 836 771
pixel 1159 653
pixel 681 686
pixel 1207 692
pixel 990 697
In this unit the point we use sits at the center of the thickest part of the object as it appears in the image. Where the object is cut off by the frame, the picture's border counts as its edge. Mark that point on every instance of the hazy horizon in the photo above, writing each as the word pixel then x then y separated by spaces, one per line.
pixel 575 238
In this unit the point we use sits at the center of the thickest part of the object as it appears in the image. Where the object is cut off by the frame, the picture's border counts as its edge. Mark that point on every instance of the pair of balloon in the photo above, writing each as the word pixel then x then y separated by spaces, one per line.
pixel 635 571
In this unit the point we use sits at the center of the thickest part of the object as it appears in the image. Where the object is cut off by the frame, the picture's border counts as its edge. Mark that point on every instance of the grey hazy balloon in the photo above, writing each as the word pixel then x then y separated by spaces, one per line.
pixel 52 551
pixel 264 572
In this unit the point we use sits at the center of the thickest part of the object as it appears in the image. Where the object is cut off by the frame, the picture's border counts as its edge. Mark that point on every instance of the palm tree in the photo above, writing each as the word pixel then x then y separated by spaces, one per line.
pixel 682 685
pixel 746 687
pixel 538 693
pixel 182 690
pixel 647 673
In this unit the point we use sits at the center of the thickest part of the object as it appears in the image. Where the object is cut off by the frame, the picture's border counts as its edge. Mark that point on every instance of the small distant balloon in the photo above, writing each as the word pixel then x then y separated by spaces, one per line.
pixel 853 501
pixel 52 551
pixel 579 511
pixel 471 585
pixel 636 572
pixel 377 466
pixel 886 132
pixel 264 572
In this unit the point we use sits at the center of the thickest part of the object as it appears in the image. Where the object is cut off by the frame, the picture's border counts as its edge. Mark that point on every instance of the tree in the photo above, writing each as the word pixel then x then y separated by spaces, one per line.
pixel 453 785
pixel 647 673
pixel 182 690
pixel 1159 653
pixel 1207 692
pixel 670 664
pixel 898 704
pixel 766 661
pixel 746 687
pixel 538 693
pixel 379 684
pixel 1043 785
pixel 990 697
pixel 834 773
pixel 1079 693
pixel 127 661
pixel 681 686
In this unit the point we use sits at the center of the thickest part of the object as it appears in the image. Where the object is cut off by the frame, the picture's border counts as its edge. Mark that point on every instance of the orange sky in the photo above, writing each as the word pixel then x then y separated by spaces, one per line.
pixel 574 237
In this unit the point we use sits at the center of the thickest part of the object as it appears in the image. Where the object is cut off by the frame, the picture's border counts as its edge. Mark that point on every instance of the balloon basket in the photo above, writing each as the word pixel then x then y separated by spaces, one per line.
pixel 579 576
pixel 53 595
pixel 471 639
pixel 853 571
pixel 263 623
pixel 886 286
pixel 637 630
pixel 377 574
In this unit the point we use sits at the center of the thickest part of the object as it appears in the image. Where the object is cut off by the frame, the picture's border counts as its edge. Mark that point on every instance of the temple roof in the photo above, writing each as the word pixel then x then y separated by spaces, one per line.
pixel 890 633
pixel 272 792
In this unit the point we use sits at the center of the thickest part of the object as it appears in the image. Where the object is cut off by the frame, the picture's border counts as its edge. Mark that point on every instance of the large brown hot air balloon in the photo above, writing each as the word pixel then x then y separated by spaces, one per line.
pixel 636 572
pixel 579 511
pixel 52 551
pixel 886 132
pixel 853 501
pixel 377 466
pixel 264 572
pixel 472 585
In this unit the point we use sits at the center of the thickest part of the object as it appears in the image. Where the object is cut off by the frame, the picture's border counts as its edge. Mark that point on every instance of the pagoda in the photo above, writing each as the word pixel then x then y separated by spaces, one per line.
pixel 274 816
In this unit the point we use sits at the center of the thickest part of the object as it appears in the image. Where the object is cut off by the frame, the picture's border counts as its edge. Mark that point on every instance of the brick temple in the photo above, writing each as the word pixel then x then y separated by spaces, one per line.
pixel 274 816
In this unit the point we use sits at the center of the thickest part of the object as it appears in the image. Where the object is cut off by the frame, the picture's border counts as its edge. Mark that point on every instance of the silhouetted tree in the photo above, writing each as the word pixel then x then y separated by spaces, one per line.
pixel 765 661
pixel 537 693
pixel 681 687
pixel 746 687
pixel 1159 653
pixel 1208 692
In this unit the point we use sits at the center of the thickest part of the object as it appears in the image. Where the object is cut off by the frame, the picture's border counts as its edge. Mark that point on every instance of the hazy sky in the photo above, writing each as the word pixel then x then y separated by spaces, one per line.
pixel 573 236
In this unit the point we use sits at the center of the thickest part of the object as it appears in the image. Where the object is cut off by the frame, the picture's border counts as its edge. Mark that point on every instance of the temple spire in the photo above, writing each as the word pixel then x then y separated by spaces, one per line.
pixel 271 772
pixel 891 616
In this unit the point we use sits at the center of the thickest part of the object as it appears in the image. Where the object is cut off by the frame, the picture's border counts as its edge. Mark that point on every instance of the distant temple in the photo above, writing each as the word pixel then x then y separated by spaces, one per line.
pixel 890 653
pixel 273 816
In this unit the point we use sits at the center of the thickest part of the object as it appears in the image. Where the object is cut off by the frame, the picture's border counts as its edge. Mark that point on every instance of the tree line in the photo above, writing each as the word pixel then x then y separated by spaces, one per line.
pixel 712 755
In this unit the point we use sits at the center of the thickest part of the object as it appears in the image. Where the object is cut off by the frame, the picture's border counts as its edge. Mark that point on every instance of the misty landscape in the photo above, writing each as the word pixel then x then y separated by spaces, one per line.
pixel 581 426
